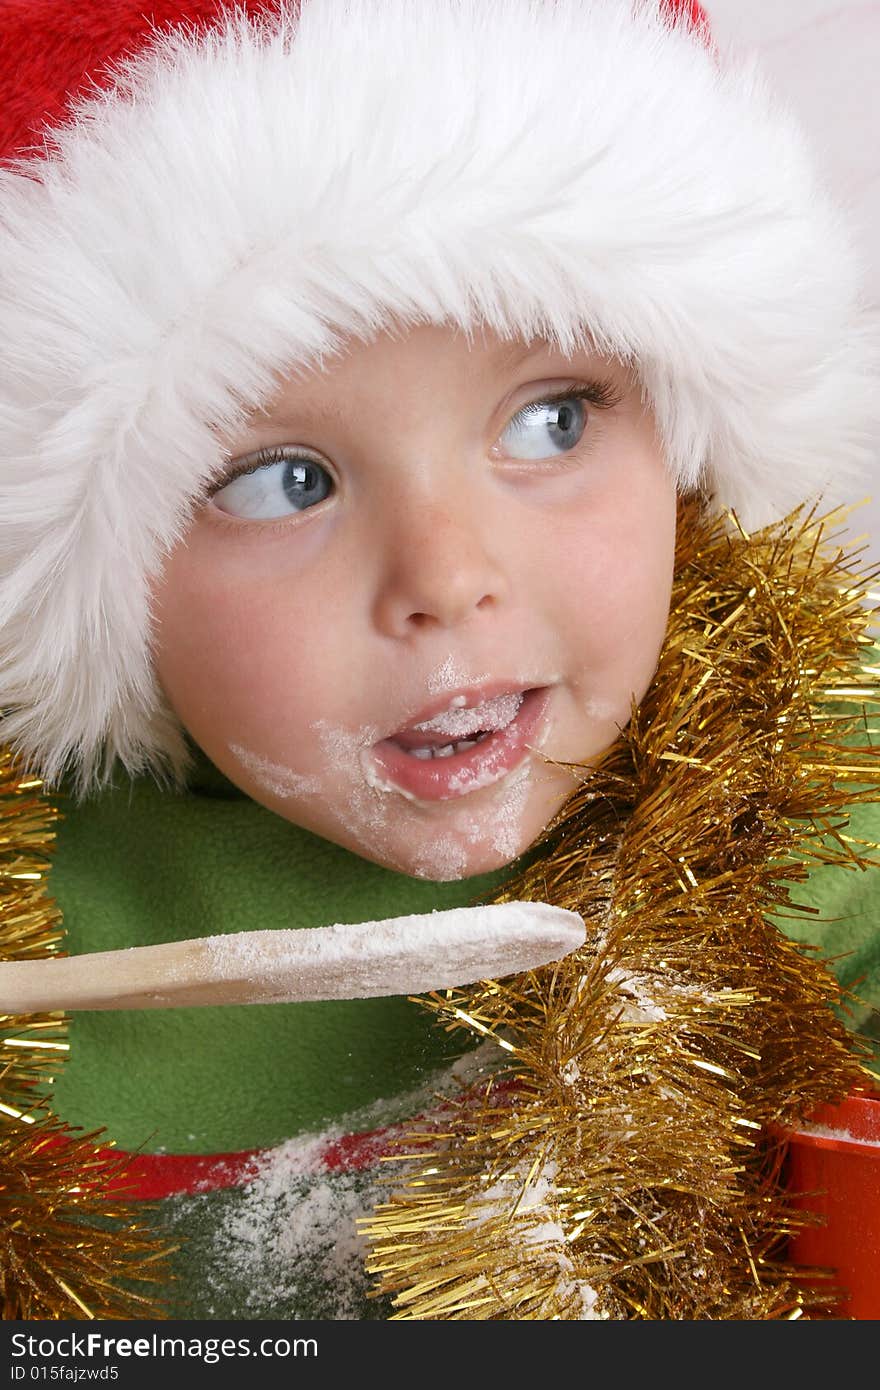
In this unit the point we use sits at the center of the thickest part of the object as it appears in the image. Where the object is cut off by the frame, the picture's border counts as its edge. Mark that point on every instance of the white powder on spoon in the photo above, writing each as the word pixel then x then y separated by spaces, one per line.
pixel 400 955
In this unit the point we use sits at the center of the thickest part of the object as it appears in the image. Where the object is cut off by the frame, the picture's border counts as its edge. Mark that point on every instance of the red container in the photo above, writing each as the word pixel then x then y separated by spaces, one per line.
pixel 833 1169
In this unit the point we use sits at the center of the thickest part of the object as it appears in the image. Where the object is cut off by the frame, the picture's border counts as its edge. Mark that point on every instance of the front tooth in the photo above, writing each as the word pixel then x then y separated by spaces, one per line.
pixel 420 753
pixel 445 752
pixel 465 743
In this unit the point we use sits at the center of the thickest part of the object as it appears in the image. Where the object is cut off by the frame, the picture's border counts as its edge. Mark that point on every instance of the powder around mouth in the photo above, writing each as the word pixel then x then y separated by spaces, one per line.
pixel 488 717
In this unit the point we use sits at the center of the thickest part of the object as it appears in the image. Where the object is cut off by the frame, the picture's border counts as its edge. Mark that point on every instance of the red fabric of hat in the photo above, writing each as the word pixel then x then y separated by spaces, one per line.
pixel 53 51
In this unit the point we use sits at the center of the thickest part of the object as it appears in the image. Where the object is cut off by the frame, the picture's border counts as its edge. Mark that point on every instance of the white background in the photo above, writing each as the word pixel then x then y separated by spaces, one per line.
pixel 823 58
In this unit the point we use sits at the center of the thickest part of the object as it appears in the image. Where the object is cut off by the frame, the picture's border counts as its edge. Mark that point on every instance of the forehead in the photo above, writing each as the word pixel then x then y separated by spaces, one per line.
pixel 419 358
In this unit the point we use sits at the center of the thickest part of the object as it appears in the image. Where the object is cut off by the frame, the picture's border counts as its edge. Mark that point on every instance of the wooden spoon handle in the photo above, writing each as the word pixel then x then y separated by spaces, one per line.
pixel 400 955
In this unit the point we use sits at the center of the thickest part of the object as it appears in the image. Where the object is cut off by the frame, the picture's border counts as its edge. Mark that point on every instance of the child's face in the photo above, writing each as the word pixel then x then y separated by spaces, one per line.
pixel 426 535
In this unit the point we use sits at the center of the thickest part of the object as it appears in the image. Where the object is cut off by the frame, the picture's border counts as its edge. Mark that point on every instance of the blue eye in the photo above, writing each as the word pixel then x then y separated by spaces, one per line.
pixel 277 485
pixel 545 428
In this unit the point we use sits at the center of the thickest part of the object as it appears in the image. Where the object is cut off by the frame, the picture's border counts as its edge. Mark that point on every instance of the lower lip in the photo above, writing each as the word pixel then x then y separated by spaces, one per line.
pixel 444 779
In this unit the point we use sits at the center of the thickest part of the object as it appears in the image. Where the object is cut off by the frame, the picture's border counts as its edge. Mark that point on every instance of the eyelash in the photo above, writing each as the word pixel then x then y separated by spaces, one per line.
pixel 261 458
pixel 601 395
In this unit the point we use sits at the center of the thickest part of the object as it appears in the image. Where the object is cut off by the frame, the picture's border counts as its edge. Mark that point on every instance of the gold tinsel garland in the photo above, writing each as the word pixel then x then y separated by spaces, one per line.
pixel 619 1159
pixel 71 1246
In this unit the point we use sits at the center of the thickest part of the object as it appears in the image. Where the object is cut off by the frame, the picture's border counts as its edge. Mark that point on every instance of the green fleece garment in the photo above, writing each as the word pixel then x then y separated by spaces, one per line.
pixel 138 866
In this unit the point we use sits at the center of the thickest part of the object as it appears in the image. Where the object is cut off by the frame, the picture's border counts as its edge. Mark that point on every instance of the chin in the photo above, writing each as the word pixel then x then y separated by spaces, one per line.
pixel 449 855
pixel 443 858
pixel 451 840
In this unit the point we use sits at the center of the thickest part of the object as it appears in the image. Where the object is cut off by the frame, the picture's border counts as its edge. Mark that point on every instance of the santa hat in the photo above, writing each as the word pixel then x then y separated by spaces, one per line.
pixel 221 193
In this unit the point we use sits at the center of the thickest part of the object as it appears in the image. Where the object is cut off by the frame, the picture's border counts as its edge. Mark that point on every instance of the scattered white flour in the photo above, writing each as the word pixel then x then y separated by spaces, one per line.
pixel 596 708
pixel 292 1243
pixel 448 676
pixel 443 860
pixel 378 781
pixel 532 1223
pixel 472 779
pixel 367 811
pixel 643 1008
pixel 841 1135
pixel 272 777
pixel 507 828
pixel 341 746
pixel 289 1240
pixel 459 723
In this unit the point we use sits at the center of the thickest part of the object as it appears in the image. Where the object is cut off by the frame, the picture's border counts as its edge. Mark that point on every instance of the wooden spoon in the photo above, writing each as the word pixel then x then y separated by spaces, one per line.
pixel 400 955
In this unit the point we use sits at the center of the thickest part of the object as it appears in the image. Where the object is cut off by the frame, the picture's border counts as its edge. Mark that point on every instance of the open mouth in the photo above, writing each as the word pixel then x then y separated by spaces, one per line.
pixel 471 744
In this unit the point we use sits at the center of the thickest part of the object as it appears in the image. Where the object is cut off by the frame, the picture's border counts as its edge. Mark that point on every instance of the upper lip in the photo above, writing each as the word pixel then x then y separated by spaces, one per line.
pixel 472 695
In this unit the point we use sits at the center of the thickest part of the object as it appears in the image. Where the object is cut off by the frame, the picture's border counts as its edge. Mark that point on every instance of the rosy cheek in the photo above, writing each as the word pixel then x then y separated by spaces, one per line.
pixel 202 635
pixel 621 572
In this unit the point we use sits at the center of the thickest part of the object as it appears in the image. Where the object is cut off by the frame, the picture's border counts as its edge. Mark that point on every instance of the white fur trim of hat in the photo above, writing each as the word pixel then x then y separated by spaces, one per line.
pixel 243 198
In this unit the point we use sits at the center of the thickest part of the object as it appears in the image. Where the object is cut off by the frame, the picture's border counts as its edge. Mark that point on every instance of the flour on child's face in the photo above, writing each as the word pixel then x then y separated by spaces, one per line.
pixel 447 575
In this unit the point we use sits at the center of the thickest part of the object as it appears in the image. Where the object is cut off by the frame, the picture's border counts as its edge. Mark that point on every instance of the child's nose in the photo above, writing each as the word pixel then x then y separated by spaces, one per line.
pixel 441 567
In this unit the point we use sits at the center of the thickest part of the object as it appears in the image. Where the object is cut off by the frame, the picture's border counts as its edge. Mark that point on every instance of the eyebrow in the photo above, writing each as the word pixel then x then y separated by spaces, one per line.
pixel 509 356
pixel 298 414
